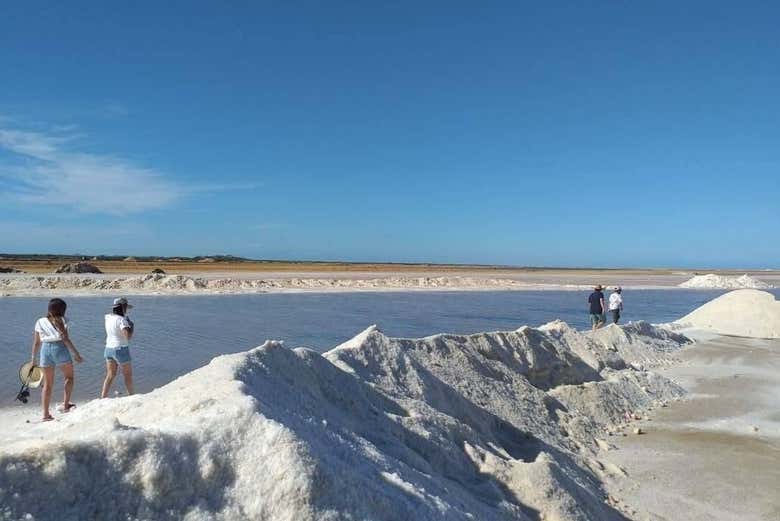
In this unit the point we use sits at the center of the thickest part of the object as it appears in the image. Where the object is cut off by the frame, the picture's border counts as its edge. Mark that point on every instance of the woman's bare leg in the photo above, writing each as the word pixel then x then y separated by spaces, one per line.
pixel 110 375
pixel 67 374
pixel 48 385
pixel 127 372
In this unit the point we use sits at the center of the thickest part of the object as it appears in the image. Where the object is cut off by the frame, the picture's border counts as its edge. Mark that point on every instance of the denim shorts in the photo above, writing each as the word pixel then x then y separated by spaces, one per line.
pixel 120 355
pixel 54 353
pixel 597 318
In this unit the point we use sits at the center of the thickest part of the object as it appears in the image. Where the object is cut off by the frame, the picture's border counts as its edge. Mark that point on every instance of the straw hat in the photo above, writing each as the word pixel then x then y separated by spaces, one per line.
pixel 30 375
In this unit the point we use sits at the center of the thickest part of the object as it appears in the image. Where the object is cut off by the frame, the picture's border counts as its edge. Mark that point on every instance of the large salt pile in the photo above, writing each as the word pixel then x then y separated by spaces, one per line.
pixel 713 281
pixel 744 312
pixel 492 426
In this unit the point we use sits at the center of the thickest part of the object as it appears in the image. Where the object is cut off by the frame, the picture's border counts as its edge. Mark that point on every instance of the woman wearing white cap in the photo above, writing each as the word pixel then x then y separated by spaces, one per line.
pixel 119 331
pixel 616 304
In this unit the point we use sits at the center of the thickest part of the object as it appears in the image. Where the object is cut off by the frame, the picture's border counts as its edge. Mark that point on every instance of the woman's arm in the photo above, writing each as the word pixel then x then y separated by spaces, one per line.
pixel 66 340
pixel 128 329
pixel 36 346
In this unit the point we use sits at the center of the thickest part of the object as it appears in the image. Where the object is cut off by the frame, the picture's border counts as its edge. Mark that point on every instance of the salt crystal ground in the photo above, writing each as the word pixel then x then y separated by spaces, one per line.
pixel 500 426
pixel 715 455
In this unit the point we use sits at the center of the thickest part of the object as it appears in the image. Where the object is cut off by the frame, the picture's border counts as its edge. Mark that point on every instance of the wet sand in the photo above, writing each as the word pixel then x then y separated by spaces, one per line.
pixel 715 455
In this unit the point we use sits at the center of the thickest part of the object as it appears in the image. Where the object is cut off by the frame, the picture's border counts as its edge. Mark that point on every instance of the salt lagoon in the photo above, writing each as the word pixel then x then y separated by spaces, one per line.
pixel 176 334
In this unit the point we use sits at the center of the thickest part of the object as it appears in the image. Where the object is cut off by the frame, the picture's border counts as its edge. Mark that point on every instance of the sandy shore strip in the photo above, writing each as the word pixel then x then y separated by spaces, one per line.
pixel 715 455
pixel 214 282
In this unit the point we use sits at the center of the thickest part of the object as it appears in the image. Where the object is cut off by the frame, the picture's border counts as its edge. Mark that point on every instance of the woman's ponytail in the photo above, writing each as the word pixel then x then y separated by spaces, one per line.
pixel 56 315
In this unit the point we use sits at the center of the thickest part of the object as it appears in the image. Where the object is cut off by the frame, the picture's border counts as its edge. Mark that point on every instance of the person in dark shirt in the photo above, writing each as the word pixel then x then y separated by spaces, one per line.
pixel 597 307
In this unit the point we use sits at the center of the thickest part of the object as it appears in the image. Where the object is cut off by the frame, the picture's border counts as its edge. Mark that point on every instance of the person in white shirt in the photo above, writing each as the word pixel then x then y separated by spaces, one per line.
pixel 616 304
pixel 119 331
pixel 52 348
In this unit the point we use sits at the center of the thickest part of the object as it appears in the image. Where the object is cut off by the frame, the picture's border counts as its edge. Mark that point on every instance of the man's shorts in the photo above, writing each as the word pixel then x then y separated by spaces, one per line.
pixel 120 355
pixel 596 318
pixel 53 354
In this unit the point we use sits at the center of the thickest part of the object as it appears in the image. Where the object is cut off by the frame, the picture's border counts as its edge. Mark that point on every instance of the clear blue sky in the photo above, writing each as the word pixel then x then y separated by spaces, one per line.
pixel 619 134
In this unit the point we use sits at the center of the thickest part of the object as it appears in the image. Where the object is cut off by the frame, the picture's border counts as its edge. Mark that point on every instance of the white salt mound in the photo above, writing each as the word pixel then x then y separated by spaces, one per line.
pixel 743 312
pixel 712 281
pixel 492 426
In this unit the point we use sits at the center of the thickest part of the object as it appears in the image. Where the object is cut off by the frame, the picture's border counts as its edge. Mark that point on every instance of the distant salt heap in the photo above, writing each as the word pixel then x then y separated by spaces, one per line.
pixel 744 312
pixel 492 426
pixel 712 281
pixel 78 267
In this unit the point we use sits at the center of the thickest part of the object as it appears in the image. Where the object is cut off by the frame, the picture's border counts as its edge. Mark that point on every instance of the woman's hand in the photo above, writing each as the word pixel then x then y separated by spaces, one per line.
pixel 73 350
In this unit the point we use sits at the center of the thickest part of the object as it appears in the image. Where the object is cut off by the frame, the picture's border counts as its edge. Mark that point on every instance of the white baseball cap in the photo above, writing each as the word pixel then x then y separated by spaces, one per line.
pixel 122 301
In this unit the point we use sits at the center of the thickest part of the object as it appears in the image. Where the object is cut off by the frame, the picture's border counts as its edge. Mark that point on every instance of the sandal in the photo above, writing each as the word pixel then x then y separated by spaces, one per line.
pixel 67 407
pixel 47 418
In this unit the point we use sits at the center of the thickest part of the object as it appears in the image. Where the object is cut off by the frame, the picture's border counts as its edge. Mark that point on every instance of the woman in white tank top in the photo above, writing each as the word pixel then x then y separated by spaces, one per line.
pixel 52 348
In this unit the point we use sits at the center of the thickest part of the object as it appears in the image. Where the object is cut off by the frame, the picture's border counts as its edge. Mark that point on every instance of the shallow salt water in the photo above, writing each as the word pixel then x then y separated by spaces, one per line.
pixel 176 334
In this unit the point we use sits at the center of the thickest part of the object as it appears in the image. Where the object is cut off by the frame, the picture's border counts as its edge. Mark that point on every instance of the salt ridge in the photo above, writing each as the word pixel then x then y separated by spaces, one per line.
pixel 161 284
pixel 500 426
pixel 155 284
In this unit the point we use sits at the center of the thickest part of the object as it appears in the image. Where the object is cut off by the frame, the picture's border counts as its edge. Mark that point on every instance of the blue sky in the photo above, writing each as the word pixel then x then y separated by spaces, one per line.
pixel 610 134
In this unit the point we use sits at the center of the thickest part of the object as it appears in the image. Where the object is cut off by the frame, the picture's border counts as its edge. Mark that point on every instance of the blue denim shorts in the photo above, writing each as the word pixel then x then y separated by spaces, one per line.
pixel 54 353
pixel 120 355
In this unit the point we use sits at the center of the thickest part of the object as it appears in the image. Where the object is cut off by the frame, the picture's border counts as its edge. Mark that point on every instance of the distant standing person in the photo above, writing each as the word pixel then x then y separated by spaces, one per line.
pixel 597 308
pixel 616 304
pixel 119 331
pixel 52 339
